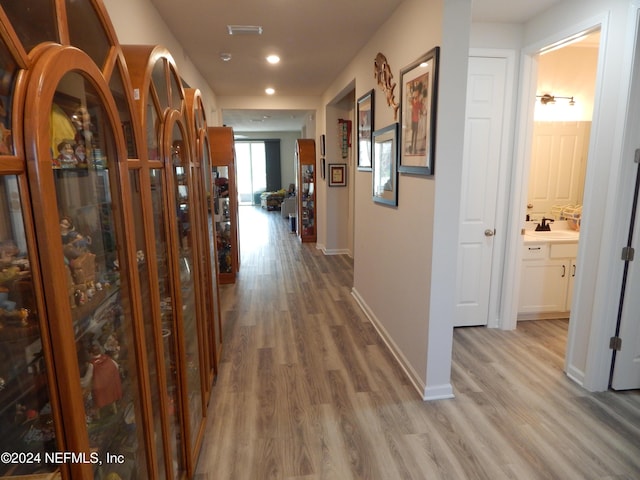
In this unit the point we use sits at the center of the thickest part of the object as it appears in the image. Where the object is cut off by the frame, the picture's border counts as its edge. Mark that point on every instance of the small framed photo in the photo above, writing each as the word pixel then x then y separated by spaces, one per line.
pixel 337 174
pixel 323 168
pixel 365 129
pixel 322 145
pixel 418 101
pixel 385 158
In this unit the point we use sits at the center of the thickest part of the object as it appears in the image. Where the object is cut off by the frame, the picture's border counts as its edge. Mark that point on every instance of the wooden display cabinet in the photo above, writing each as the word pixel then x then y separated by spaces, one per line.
pixel 306 189
pixel 211 327
pixel 180 233
pixel 225 202
pixel 103 274
pixel 88 266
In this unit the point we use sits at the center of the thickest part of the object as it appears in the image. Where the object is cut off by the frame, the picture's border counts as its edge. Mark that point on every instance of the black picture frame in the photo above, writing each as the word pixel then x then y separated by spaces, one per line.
pixel 418 109
pixel 322 145
pixel 365 112
pixel 385 165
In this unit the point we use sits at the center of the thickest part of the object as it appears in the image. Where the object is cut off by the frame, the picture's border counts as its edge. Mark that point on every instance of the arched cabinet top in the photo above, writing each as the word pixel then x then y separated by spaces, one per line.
pixel 43 82
pixel 153 72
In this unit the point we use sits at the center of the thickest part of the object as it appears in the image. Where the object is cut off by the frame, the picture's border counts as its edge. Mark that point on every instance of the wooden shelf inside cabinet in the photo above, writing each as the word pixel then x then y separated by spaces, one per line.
pixel 306 189
pixel 225 202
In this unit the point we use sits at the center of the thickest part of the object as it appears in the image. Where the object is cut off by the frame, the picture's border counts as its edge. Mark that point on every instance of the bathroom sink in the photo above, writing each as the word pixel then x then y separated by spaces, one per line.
pixel 556 234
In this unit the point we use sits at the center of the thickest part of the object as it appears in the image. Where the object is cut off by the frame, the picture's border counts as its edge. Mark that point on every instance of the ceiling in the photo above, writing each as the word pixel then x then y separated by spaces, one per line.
pixel 315 40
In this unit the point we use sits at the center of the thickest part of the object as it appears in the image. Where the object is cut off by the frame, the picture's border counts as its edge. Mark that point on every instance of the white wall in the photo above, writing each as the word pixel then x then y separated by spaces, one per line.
pixel 137 22
pixel 568 72
pixel 404 256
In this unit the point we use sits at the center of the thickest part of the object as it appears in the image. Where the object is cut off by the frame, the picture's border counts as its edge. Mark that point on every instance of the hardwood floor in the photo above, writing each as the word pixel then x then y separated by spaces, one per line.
pixel 307 390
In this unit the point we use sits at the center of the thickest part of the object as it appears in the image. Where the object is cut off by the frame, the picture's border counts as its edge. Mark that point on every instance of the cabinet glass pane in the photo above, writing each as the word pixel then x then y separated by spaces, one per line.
pixel 149 327
pixel 159 79
pixel 153 128
pixel 222 218
pixel 186 246
pixel 33 20
pixel 118 92
pixel 307 214
pixel 8 71
pixel 86 30
pixel 100 312
pixel 26 421
pixel 169 338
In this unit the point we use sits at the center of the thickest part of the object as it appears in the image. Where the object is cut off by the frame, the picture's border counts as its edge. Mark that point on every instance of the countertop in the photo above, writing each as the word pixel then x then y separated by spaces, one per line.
pixel 554 236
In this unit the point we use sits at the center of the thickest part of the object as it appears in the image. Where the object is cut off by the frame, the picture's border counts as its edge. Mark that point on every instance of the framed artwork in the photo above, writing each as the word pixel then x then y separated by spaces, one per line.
pixel 322 146
pixel 365 129
pixel 418 100
pixel 323 168
pixel 385 161
pixel 337 174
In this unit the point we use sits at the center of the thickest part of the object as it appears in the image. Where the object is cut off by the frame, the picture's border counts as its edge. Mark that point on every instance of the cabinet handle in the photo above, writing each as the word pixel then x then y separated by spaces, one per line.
pixel 564 271
pixel 573 273
pixel 534 248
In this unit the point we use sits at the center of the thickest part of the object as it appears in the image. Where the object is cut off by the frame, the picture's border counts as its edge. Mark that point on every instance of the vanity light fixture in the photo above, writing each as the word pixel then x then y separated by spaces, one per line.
pixel 548 98
pixel 269 91
pixel 273 59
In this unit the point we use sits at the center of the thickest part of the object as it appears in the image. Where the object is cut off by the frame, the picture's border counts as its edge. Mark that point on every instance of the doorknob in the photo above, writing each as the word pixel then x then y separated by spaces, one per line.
pixel 489 233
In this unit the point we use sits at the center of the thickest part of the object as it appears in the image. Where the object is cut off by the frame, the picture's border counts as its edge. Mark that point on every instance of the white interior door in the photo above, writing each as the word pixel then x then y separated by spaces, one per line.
pixel 481 160
pixel 626 370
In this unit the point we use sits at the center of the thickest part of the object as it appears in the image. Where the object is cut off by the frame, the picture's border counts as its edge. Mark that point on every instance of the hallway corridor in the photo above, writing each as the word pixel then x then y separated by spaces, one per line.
pixel 307 390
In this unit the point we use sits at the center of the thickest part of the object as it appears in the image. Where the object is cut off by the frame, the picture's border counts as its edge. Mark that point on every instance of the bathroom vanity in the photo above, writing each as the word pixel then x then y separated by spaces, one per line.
pixel 547 273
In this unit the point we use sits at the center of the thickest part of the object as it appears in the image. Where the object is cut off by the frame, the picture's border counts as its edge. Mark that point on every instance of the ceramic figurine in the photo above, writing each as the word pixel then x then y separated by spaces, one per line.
pixel 66 155
pixel 103 376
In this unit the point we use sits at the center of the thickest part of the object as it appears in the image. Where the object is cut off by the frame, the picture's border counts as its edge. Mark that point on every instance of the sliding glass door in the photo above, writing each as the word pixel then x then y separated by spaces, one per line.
pixel 252 171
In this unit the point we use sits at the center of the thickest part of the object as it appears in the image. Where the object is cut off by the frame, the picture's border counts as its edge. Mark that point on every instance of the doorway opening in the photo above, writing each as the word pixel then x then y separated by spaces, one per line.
pixel 565 94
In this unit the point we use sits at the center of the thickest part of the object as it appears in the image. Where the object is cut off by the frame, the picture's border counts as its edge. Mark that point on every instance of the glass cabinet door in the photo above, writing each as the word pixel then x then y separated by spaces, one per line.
pixel 26 417
pixel 222 219
pixel 307 199
pixel 185 216
pixel 169 341
pixel 83 160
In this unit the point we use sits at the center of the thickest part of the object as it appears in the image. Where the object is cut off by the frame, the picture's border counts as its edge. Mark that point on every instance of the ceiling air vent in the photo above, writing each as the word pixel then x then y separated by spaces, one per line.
pixel 244 29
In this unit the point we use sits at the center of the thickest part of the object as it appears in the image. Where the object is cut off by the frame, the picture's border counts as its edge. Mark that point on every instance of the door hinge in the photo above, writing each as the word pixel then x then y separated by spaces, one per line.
pixel 615 343
pixel 628 253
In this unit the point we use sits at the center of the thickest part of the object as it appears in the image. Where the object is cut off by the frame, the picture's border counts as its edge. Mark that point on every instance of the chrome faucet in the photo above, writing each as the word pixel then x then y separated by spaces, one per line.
pixel 544 225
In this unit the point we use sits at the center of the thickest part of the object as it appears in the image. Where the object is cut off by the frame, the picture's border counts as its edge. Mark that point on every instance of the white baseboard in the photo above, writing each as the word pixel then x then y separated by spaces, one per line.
pixel 576 375
pixel 337 251
pixel 439 392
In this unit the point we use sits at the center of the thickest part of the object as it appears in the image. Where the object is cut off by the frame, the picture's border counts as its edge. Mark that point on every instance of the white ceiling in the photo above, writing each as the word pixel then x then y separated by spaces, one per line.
pixel 315 40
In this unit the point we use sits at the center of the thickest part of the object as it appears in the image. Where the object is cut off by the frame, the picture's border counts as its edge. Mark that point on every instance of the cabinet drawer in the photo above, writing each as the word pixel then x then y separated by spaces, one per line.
pixel 564 250
pixel 535 251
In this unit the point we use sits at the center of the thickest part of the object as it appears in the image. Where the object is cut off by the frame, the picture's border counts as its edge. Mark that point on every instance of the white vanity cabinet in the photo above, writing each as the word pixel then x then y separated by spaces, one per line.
pixel 547 274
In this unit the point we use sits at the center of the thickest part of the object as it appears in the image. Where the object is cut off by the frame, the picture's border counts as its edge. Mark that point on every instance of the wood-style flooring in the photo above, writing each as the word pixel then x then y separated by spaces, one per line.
pixel 307 390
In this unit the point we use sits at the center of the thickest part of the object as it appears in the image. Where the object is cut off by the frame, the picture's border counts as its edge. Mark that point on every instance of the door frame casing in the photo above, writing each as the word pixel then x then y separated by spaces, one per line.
pixel 588 357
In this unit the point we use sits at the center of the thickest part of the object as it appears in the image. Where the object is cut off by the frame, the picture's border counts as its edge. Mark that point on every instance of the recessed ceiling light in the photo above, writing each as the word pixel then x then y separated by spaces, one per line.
pixel 269 91
pixel 225 57
pixel 273 59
